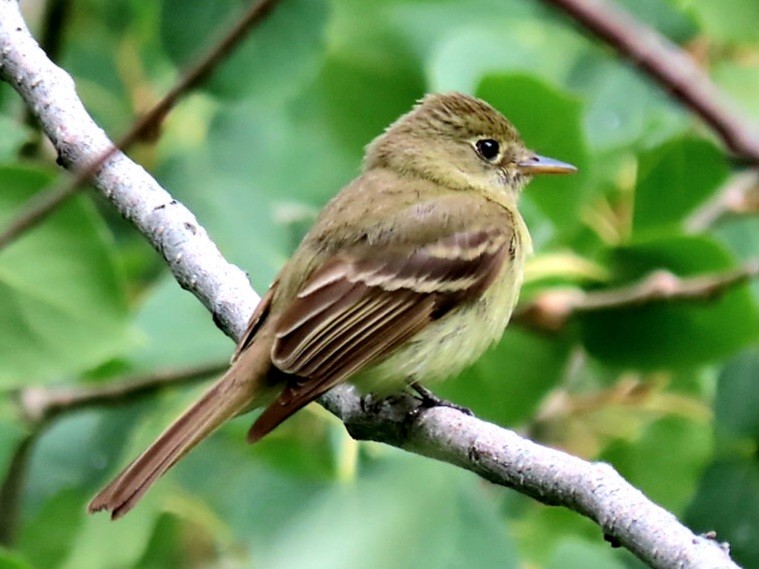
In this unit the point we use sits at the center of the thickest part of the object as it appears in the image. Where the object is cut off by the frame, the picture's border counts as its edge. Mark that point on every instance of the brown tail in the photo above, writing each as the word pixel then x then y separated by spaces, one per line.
pixel 238 390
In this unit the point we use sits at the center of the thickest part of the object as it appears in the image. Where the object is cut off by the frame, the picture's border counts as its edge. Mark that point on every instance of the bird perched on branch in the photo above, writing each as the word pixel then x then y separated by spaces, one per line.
pixel 408 275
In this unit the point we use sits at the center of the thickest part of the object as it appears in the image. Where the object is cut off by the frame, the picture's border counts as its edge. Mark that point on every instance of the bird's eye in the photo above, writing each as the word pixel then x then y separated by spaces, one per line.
pixel 488 148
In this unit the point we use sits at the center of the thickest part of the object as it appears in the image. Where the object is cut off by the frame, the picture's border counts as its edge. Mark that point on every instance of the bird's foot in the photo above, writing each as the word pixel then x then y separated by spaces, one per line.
pixel 427 400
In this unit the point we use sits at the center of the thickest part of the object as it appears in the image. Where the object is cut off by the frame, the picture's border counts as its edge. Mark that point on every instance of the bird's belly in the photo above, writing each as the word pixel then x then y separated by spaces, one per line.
pixel 448 345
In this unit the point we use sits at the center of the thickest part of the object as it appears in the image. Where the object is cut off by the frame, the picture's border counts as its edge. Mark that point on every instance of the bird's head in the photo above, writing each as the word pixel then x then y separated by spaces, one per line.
pixel 460 142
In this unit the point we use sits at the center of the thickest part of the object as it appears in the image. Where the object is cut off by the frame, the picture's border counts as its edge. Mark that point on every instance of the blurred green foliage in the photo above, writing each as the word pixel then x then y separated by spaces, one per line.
pixel 668 392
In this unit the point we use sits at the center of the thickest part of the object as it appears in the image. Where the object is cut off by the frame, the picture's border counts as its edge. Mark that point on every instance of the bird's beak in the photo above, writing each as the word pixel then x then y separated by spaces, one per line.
pixel 537 164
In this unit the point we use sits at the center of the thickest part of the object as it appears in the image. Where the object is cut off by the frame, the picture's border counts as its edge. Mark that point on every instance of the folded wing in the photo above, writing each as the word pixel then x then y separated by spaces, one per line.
pixel 354 310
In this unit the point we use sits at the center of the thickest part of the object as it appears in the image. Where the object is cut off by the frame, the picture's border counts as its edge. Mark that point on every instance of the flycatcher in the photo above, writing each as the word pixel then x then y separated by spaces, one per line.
pixel 408 275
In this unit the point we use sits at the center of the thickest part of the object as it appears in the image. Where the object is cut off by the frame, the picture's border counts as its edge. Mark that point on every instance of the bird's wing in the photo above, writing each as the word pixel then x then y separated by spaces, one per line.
pixel 355 308
pixel 256 321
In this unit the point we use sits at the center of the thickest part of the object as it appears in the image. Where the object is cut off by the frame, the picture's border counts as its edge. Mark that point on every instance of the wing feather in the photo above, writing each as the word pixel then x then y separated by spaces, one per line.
pixel 255 322
pixel 304 390
pixel 357 309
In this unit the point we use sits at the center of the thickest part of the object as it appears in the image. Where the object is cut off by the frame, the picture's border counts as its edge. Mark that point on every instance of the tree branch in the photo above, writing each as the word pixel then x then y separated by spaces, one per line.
pixel 670 67
pixel 497 454
pixel 54 16
pixel 40 405
pixel 740 196
pixel 44 203
pixel 550 476
pixel 551 310
pixel 170 227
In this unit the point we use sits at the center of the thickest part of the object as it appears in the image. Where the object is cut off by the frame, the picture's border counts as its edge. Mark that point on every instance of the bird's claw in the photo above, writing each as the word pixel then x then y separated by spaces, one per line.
pixel 428 400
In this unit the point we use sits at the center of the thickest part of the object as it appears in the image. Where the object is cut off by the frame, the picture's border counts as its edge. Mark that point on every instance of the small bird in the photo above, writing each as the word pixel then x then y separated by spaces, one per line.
pixel 409 274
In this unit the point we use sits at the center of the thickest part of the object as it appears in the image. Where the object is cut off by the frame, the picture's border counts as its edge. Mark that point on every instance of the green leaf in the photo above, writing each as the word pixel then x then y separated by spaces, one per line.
pixel 301 447
pixel 577 554
pixel 177 331
pixel 452 523
pixel 14 135
pixel 281 54
pixel 67 455
pixel 741 235
pixel 469 51
pixel 542 530
pixel 305 446
pixel 236 209
pixel 47 538
pixel 92 61
pixel 355 102
pixel 738 396
pixel 381 32
pixel 728 502
pixel 254 501
pixel 62 305
pixel 668 478
pixel 165 546
pixel 740 80
pixel 729 21
pixel 12 432
pixel 662 334
pixel 664 17
pixel 12 560
pixel 550 123
pixel 624 111
pixel 101 544
pixel 256 208
pixel 673 179
pixel 324 165
pixel 183 26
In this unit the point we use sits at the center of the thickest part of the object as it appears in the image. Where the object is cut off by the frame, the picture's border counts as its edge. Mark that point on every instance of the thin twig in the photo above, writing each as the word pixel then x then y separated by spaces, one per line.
pixel 551 310
pixel 670 67
pixel 44 203
pixel 740 196
pixel 40 405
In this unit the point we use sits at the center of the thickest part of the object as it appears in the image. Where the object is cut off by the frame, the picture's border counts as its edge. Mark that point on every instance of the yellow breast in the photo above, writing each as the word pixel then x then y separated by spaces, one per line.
pixel 455 341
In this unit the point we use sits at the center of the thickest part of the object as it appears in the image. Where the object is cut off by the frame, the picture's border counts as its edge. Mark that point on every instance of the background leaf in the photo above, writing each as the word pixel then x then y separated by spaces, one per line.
pixel 671 334
pixel 687 170
pixel 62 301
pixel 726 503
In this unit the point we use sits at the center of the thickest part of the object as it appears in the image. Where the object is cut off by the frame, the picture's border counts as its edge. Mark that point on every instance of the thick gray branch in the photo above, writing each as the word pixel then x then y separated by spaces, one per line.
pixel 553 477
pixel 170 227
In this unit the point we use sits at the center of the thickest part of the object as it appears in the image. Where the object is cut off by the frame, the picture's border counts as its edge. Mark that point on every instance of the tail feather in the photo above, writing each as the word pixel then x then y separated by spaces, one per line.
pixel 235 392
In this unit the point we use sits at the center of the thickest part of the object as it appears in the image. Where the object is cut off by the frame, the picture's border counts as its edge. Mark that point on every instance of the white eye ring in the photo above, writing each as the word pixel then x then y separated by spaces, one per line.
pixel 488 148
